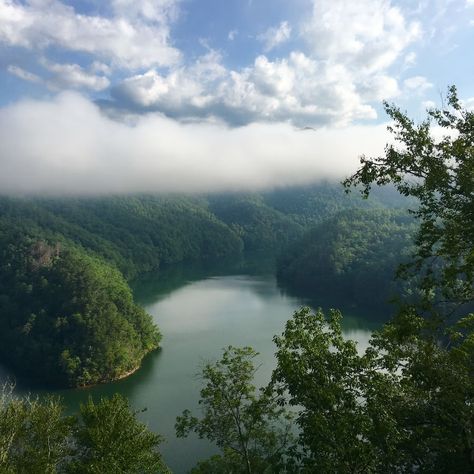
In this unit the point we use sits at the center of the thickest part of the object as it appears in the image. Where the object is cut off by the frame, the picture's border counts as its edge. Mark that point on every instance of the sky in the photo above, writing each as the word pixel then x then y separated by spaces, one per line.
pixel 211 95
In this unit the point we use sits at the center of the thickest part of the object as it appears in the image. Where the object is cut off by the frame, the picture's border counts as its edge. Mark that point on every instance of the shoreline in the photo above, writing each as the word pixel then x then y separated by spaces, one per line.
pixel 27 384
pixel 121 377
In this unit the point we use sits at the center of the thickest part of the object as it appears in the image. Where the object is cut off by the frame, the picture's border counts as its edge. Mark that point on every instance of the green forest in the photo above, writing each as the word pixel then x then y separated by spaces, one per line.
pixel 67 318
pixel 66 309
pixel 353 255
pixel 405 404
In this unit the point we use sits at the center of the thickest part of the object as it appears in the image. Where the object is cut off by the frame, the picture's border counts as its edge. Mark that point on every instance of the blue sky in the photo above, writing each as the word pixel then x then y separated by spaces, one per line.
pixel 325 64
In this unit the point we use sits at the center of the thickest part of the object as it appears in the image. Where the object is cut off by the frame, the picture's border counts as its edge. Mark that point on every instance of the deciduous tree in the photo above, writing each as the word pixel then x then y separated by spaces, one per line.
pixel 249 426
pixel 433 162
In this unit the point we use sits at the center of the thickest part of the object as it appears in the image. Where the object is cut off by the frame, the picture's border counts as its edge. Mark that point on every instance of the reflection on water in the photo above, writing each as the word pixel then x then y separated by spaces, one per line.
pixel 199 312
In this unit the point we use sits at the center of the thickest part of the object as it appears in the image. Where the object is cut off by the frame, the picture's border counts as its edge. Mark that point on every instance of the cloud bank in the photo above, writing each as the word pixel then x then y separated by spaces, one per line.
pixel 68 146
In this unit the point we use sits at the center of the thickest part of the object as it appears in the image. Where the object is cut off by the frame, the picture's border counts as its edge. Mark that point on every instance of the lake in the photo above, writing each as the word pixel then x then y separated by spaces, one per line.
pixel 200 310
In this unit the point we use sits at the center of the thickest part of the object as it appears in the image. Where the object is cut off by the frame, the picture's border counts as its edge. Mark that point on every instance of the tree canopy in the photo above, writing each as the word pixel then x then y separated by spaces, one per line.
pixel 105 436
pixel 352 256
pixel 403 404
pixel 68 318
pixel 433 162
pixel 249 426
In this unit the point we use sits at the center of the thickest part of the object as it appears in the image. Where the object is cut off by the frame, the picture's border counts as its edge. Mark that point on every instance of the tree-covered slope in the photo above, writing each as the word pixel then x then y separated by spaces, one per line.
pixel 261 227
pixel 272 220
pixel 67 318
pixel 136 234
pixel 312 204
pixel 354 254
pixel 67 315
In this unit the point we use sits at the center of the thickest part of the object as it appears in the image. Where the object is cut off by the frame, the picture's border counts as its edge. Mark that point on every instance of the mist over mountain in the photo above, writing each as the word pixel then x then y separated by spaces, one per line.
pixel 74 148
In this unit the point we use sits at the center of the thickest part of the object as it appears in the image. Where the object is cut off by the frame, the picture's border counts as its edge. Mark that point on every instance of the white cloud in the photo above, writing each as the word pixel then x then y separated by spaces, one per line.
pixel 73 148
pixel 368 34
pixel 352 46
pixel 418 84
pixel 379 87
pixel 410 59
pixel 428 104
pixel 232 35
pixel 161 11
pixel 180 92
pixel 23 74
pixel 468 104
pixel 275 36
pixel 297 89
pixel 73 76
pixel 65 76
pixel 137 35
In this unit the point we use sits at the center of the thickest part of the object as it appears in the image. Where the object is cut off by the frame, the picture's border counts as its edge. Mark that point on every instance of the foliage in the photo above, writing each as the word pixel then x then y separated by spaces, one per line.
pixel 135 234
pixel 261 227
pixel 68 318
pixel 352 256
pixel 110 439
pixel 405 404
pixel 439 173
pixel 326 378
pixel 311 205
pixel 432 401
pixel 272 220
pixel 36 437
pixel 250 427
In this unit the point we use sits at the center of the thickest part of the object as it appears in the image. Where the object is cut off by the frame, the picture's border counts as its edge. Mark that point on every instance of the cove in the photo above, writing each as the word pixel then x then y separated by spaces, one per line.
pixel 201 309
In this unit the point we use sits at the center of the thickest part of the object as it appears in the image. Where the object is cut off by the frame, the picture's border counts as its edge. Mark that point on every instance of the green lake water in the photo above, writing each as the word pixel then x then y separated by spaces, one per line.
pixel 199 311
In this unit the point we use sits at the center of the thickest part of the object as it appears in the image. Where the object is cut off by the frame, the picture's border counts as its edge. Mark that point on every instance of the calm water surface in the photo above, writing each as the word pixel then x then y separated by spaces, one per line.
pixel 200 311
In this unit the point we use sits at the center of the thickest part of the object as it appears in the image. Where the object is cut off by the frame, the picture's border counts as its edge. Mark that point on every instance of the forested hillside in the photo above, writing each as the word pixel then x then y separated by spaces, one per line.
pixel 261 227
pixel 67 315
pixel 140 233
pixel 136 234
pixel 352 256
pixel 68 319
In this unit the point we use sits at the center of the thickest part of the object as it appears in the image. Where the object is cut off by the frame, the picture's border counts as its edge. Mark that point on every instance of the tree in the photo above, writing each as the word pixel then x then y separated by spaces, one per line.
pixel 328 381
pixel 250 427
pixel 109 438
pixel 405 404
pixel 431 399
pixel 36 437
pixel 34 434
pixel 439 173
